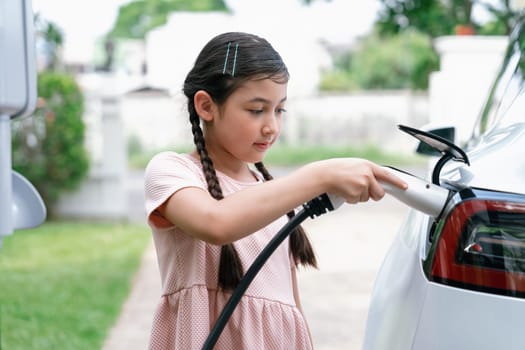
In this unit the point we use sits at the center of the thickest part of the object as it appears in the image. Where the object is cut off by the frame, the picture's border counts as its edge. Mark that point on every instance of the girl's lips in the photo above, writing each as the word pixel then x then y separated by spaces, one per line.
pixel 263 146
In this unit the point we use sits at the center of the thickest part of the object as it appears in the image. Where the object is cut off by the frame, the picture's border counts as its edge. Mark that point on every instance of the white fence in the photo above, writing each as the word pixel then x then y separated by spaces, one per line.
pixel 362 118
pixel 160 121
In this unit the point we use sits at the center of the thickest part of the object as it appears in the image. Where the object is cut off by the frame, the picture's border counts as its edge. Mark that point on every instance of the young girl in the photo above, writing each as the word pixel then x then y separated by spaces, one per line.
pixel 211 213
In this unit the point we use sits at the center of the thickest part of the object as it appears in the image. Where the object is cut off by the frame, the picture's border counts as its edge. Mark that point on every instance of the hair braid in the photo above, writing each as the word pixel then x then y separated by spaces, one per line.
pixel 214 73
pixel 230 266
pixel 300 245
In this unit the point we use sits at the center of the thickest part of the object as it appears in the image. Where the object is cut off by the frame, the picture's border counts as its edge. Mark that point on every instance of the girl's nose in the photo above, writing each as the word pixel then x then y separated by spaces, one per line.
pixel 271 126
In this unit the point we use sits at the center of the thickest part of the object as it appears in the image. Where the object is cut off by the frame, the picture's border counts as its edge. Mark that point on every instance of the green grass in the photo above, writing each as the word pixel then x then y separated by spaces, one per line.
pixel 62 284
pixel 284 155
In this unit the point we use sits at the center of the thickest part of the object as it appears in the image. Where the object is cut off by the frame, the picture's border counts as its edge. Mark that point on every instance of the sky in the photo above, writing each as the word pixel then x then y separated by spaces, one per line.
pixel 82 22
pixel 337 21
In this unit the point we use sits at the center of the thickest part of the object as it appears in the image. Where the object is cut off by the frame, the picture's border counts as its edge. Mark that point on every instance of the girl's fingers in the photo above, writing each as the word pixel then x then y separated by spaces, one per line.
pixel 365 196
pixel 383 175
pixel 376 190
pixel 362 181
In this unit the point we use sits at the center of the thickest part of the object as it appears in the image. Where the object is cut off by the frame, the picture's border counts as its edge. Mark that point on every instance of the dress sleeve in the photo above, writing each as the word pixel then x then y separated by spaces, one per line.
pixel 167 173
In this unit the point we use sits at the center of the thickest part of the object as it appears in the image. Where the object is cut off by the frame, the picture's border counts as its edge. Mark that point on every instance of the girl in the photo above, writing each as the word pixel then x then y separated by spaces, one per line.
pixel 211 213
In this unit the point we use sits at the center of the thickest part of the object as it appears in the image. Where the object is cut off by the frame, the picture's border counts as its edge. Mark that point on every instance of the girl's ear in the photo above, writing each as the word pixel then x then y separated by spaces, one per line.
pixel 204 105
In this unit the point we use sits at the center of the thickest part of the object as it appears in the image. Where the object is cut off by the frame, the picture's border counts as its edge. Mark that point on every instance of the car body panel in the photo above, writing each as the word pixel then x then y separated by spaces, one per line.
pixel 449 313
pixel 409 307
pixel 399 291
pixel 497 164
pixel 410 312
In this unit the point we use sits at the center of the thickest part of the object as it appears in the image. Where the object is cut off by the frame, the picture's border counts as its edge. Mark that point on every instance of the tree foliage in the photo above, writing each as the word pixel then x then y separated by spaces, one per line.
pixel 48 148
pixel 442 17
pixel 52 38
pixel 434 17
pixel 138 17
pixel 402 61
pixel 399 52
pixel 505 17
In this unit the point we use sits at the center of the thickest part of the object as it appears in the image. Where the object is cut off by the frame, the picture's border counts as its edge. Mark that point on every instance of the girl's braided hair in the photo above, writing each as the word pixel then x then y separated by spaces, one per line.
pixel 223 65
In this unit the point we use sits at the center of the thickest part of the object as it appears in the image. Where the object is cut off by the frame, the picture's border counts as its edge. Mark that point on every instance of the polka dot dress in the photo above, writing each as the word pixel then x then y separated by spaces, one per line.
pixel 265 318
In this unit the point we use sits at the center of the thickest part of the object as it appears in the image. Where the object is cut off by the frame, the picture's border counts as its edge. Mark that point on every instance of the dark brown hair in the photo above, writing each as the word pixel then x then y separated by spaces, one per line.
pixel 223 65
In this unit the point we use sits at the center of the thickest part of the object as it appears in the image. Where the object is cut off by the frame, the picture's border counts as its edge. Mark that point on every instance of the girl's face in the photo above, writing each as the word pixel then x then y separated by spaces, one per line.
pixel 249 122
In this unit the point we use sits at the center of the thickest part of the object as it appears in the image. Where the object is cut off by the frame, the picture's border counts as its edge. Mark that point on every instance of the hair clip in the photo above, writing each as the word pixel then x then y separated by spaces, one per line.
pixel 234 59
pixel 226 59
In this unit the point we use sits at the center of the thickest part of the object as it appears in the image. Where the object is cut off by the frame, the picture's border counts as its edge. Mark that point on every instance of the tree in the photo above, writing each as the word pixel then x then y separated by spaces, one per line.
pixel 138 17
pixel 401 61
pixel 52 38
pixel 504 18
pixel 308 2
pixel 441 17
pixel 48 147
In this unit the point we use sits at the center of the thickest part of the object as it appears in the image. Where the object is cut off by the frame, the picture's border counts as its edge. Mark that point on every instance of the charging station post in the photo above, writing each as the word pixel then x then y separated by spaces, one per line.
pixel 6 185
pixel 17 99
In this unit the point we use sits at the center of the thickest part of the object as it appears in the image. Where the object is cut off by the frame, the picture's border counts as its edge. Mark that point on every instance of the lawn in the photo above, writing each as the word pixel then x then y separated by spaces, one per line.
pixel 62 284
pixel 284 155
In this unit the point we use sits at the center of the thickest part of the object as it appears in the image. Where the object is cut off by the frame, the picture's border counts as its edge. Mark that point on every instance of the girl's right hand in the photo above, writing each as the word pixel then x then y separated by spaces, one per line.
pixel 355 180
pixel 192 209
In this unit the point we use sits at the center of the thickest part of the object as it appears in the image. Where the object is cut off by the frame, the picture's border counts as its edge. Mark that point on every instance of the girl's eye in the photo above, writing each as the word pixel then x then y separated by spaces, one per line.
pixel 281 110
pixel 255 111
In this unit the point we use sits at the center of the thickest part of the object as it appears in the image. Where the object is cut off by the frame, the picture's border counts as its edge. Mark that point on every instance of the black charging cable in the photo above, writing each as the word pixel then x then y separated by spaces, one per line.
pixel 313 208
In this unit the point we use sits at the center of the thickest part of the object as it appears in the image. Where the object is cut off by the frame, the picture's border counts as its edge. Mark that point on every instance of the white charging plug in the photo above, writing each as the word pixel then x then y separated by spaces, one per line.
pixel 421 195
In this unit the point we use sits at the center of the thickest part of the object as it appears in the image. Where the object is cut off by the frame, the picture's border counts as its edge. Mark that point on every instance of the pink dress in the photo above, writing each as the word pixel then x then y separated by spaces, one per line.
pixel 265 318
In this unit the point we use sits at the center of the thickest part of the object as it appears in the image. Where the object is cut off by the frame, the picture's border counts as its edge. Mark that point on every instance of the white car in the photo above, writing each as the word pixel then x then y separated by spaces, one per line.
pixel 457 281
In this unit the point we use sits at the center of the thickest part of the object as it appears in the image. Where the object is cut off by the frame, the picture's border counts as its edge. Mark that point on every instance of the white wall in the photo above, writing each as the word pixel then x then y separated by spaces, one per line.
pixel 361 118
pixel 161 121
pixel 103 194
pixel 157 120
pixel 457 91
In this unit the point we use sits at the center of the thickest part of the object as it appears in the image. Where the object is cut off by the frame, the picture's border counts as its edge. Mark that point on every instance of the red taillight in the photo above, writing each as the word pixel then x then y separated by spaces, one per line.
pixel 482 247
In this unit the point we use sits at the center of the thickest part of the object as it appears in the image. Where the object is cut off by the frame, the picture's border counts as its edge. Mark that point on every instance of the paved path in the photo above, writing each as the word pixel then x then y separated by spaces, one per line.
pixel 350 244
pixel 131 331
